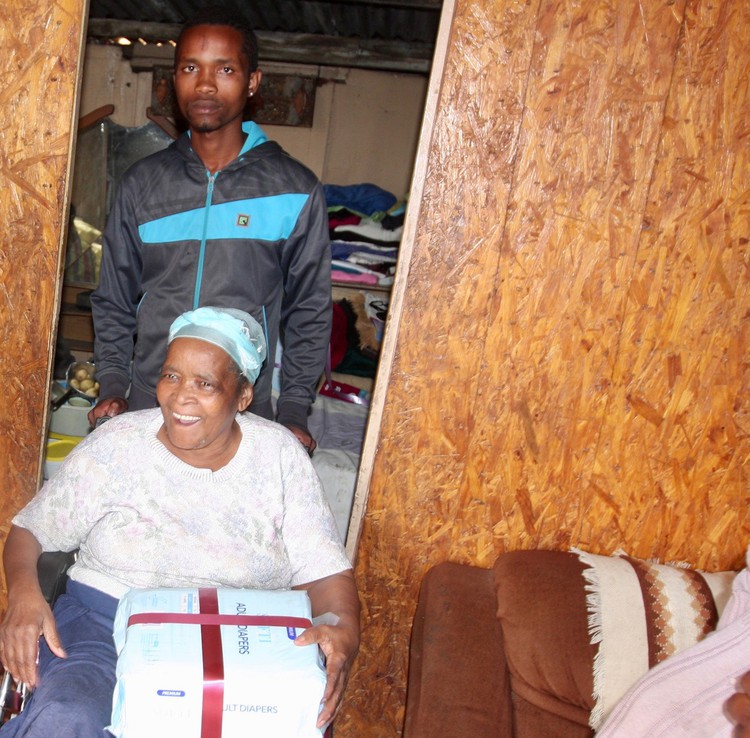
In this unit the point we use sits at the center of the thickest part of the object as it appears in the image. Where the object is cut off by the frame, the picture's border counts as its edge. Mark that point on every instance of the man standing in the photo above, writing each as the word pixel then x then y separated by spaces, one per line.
pixel 222 217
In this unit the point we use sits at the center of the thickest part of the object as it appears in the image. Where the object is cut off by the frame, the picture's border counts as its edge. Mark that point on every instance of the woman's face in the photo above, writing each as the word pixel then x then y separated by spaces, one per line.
pixel 199 392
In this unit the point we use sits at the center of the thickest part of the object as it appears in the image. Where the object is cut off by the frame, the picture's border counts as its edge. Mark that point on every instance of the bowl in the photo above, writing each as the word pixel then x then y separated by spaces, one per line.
pixel 57 450
pixel 72 418
pixel 83 372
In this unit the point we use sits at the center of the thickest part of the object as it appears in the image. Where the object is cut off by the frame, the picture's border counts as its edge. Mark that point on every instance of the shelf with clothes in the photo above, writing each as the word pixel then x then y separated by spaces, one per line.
pixel 365 226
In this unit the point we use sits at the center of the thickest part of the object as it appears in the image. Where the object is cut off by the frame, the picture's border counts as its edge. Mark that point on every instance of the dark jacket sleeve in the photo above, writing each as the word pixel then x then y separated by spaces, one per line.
pixel 114 302
pixel 306 311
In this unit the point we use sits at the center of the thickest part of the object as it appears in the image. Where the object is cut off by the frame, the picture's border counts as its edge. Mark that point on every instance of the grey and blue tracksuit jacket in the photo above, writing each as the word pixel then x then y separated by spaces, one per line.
pixel 252 236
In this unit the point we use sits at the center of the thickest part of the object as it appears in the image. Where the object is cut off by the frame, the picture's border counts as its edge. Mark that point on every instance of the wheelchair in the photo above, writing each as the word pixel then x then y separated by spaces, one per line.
pixel 52 568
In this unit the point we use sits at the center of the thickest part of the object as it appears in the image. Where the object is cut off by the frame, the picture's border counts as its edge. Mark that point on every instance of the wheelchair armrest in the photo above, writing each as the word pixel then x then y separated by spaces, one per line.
pixel 52 568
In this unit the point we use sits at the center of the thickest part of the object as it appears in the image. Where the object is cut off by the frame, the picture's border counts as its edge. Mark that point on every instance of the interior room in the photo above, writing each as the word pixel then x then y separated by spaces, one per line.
pixel 351 112
pixel 563 370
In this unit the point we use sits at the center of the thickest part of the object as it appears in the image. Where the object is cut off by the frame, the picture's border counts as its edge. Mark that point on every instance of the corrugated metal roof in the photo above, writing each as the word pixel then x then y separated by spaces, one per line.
pixel 408 20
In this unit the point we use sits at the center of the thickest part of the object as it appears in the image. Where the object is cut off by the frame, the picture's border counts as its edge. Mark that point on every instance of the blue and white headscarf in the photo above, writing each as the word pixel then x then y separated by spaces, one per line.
pixel 234 331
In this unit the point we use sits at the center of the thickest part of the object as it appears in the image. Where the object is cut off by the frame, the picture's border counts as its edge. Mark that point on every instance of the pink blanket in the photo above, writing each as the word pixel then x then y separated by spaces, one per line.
pixel 685 695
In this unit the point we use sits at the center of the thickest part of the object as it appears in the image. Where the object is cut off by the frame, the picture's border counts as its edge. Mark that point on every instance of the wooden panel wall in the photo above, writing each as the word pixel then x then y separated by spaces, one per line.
pixel 574 369
pixel 41 44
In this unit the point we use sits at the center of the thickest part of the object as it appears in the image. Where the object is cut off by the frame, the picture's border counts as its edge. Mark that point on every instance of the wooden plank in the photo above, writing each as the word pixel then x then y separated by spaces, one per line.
pixel 337 51
pixel 42 45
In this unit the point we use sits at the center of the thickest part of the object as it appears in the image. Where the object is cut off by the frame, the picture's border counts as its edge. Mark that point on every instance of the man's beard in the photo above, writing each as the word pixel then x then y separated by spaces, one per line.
pixel 203 127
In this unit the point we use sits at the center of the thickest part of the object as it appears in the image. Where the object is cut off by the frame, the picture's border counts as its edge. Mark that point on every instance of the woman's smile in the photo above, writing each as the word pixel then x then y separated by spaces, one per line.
pixel 187 419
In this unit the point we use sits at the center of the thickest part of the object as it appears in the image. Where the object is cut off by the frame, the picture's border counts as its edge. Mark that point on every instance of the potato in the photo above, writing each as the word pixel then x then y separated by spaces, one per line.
pixel 75 384
pixel 81 374
pixel 92 392
pixel 86 384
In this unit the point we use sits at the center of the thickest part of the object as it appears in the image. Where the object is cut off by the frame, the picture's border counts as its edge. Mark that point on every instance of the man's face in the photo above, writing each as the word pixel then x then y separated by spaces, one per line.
pixel 212 80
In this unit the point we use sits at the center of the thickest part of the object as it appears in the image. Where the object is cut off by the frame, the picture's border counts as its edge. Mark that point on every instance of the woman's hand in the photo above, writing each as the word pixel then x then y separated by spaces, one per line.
pixel 339 643
pixel 27 618
pixel 28 615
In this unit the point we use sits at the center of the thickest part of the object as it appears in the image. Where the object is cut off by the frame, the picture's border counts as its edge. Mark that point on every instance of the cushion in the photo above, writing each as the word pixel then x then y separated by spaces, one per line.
pixel 580 629
pixel 641 612
pixel 458 682
pixel 541 605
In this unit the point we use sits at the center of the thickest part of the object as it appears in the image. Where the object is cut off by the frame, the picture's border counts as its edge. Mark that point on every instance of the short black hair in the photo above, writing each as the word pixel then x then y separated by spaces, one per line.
pixel 221 15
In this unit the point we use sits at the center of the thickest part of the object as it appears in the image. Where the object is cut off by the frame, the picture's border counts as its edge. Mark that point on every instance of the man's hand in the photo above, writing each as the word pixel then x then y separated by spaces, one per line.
pixel 304 437
pixel 738 707
pixel 109 406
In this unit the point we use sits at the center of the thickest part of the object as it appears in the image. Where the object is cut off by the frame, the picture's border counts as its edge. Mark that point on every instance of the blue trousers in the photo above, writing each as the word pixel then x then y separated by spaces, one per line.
pixel 73 697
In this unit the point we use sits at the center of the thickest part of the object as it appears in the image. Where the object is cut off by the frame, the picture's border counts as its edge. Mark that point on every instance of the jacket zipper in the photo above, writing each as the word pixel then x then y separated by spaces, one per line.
pixel 202 252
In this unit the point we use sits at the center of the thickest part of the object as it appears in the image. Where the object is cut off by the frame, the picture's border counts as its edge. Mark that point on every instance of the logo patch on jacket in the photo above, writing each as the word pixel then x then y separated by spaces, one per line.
pixel 243 221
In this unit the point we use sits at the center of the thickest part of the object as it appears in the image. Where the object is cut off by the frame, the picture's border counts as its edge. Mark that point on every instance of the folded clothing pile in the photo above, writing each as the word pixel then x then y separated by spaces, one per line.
pixel 365 225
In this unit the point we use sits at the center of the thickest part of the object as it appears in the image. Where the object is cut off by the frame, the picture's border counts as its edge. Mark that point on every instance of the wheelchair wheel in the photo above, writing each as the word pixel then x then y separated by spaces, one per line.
pixel 12 698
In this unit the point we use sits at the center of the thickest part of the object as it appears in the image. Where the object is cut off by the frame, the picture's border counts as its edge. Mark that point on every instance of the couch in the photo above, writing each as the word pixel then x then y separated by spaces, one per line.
pixel 509 651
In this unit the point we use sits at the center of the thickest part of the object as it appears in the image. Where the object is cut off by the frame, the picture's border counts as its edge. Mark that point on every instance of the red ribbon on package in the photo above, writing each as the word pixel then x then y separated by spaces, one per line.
pixel 211 620
pixel 272 621
pixel 213 667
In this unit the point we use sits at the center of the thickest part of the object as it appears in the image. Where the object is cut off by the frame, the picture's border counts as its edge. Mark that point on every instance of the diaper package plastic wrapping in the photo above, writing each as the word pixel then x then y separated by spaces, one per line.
pixel 215 663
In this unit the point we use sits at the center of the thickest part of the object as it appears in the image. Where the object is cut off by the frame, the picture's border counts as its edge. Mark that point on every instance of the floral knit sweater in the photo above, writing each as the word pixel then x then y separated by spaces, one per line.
pixel 141 517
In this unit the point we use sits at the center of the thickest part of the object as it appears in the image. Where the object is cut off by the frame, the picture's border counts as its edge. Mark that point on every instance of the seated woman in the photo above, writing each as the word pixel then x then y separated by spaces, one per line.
pixel 193 493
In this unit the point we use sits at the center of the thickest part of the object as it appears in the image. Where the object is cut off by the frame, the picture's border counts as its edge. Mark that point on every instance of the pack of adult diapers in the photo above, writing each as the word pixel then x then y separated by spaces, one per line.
pixel 215 663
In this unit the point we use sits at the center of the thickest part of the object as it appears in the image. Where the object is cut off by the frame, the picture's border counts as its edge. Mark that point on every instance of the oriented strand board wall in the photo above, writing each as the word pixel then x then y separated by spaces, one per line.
pixel 574 369
pixel 38 71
